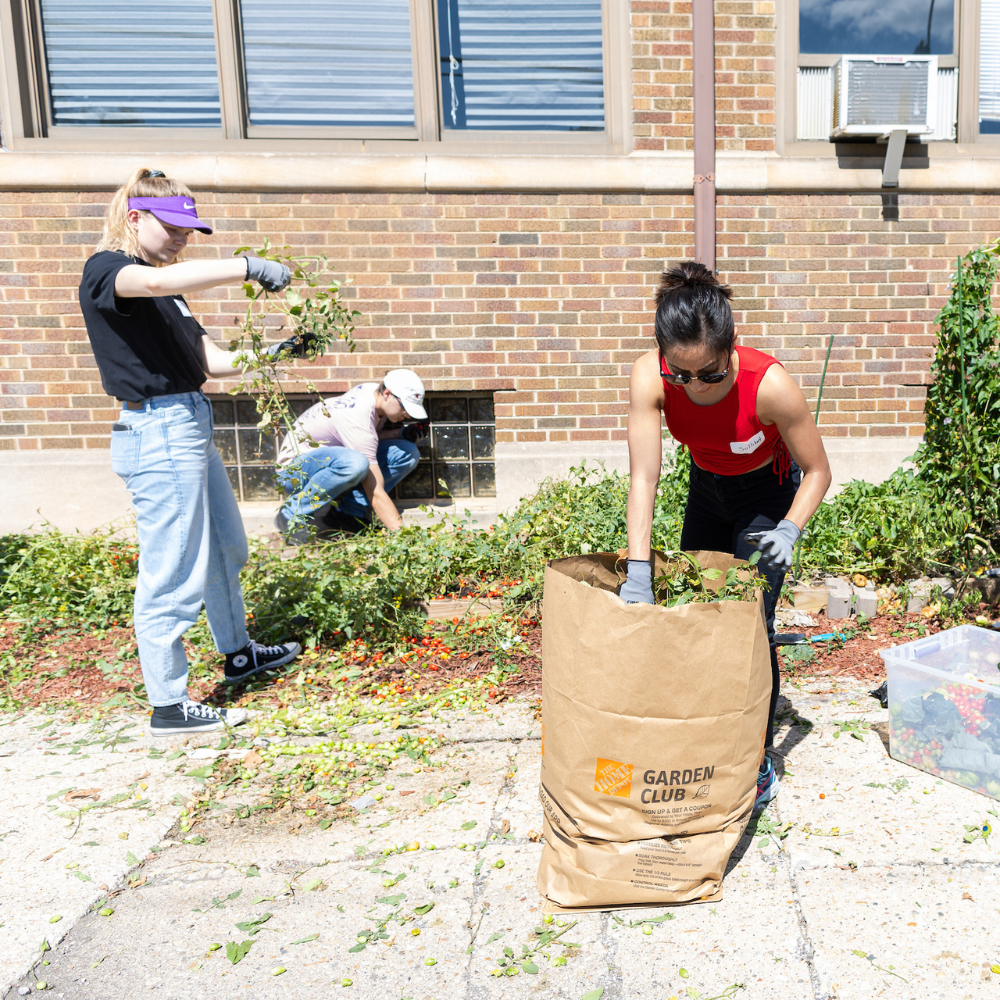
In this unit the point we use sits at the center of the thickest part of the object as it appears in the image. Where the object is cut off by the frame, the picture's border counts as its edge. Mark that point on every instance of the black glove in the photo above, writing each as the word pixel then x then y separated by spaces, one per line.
pixel 269 274
pixel 416 432
pixel 298 346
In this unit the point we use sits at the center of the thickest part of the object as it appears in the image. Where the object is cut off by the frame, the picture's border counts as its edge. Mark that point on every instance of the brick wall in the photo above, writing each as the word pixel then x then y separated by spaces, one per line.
pixel 744 75
pixel 548 296
pixel 814 266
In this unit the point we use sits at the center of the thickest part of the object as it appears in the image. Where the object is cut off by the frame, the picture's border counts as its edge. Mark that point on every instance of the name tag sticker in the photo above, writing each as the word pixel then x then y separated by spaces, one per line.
pixel 746 447
pixel 182 308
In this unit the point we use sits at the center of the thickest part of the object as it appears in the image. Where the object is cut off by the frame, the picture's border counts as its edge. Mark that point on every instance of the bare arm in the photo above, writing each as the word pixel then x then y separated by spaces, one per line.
pixel 780 401
pixel 645 450
pixel 137 282
pixel 374 487
pixel 217 362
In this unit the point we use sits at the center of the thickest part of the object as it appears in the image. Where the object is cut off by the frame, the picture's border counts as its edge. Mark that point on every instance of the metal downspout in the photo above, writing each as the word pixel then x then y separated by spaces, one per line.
pixel 703 73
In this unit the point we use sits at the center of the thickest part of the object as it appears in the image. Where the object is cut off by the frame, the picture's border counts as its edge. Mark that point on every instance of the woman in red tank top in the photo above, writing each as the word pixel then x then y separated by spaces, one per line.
pixel 758 469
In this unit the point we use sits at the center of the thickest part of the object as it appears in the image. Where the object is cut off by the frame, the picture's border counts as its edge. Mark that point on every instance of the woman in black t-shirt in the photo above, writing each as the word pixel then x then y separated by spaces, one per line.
pixel 154 357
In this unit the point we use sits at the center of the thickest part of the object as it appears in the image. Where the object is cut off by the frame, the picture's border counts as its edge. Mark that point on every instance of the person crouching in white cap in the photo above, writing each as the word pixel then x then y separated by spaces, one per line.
pixel 344 454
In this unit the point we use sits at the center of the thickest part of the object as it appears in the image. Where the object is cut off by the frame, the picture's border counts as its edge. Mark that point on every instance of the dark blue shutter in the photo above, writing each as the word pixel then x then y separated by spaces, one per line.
pixel 328 62
pixel 521 65
pixel 144 63
pixel 989 66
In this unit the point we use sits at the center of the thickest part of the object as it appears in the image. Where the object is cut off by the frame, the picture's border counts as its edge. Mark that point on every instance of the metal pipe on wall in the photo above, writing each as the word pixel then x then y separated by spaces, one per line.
pixel 703 72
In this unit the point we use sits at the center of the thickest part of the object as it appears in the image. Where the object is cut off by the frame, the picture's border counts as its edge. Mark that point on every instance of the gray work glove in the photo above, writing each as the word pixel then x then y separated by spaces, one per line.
pixel 638 586
pixel 776 545
pixel 269 274
pixel 298 345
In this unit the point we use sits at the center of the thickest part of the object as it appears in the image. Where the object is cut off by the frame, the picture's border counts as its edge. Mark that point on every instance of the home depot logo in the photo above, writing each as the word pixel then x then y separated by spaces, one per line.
pixel 613 778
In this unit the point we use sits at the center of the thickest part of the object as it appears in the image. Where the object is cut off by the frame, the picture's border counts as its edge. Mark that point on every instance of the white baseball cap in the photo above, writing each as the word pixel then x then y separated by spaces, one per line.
pixel 408 389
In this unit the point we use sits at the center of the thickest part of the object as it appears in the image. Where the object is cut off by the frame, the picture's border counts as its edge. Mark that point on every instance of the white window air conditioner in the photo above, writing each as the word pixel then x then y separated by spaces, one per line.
pixel 885 97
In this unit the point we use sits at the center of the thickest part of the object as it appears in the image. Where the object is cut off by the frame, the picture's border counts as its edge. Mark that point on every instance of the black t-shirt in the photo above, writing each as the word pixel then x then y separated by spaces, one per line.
pixel 144 346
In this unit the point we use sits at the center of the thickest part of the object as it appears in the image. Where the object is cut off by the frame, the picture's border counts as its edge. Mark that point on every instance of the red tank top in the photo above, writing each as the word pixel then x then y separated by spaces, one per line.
pixel 727 438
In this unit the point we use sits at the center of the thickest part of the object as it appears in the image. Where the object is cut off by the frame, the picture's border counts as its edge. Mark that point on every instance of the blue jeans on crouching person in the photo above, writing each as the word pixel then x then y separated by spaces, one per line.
pixel 323 475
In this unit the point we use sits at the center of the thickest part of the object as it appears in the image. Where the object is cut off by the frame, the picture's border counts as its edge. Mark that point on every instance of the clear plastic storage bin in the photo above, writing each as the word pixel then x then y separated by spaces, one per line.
pixel 944 706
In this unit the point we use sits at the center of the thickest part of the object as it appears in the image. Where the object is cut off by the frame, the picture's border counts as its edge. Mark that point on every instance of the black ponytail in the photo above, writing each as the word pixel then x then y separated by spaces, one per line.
pixel 692 307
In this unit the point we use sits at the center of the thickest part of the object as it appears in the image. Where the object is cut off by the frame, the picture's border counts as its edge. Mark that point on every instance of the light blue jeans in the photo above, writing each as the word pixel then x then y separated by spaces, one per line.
pixel 317 478
pixel 191 539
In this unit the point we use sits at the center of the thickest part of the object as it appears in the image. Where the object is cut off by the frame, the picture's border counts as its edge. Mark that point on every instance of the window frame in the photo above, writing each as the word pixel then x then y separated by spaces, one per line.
pixel 965 58
pixel 25 107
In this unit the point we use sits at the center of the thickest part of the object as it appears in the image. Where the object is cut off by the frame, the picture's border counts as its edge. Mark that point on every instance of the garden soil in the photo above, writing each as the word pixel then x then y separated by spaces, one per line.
pixel 653 731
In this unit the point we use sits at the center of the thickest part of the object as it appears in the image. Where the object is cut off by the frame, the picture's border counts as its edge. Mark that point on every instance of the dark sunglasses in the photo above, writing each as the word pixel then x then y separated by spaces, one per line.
pixel 712 379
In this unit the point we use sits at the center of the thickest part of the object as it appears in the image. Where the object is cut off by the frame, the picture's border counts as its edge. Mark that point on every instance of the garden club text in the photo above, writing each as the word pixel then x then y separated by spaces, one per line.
pixel 675 778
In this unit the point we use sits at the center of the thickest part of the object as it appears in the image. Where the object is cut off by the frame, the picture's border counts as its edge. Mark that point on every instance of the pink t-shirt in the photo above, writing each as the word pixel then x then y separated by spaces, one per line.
pixel 348 421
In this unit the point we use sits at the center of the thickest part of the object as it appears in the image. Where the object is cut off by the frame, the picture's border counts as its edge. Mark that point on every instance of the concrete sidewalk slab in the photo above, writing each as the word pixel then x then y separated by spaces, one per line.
pixel 914 922
pixel 786 927
pixel 752 936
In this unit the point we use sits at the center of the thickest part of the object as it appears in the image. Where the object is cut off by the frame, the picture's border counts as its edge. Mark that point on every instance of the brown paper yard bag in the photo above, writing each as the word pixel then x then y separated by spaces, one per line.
pixel 653 730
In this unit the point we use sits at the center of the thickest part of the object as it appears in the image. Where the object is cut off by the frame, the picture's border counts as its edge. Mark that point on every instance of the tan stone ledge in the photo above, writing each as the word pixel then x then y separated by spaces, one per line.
pixel 670 173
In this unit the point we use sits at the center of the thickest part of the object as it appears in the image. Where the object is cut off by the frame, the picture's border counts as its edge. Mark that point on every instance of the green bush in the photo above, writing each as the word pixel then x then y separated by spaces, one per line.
pixel 960 459
pixel 892 531
pixel 82 579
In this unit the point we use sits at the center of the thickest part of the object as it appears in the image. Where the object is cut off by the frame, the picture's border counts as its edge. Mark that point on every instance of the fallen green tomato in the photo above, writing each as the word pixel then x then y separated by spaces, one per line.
pixel 430 961
pixel 347 982
pixel 498 863
pixel 683 973
pixel 55 919
pixel 214 946
pixel 41 986
pixel 278 971
pixel 106 911
pixel 647 928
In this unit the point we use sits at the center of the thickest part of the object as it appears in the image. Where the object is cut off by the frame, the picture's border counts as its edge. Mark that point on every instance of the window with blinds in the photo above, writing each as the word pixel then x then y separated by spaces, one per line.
pixel 989 67
pixel 328 62
pixel 148 64
pixel 529 65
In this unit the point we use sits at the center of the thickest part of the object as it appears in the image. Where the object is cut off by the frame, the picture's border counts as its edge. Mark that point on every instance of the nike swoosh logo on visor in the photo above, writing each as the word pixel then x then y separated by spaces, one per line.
pixel 189 206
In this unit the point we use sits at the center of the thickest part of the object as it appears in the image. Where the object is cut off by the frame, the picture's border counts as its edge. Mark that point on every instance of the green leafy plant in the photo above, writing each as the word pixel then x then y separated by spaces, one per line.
pixel 871 958
pixel 685 582
pixel 853 727
pixel 313 305
pixel 961 452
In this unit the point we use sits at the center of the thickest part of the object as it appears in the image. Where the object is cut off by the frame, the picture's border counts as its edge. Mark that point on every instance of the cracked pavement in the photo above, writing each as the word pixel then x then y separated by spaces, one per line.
pixel 866 891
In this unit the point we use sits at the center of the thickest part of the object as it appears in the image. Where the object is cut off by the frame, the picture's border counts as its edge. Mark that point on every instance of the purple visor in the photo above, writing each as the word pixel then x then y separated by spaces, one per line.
pixel 179 212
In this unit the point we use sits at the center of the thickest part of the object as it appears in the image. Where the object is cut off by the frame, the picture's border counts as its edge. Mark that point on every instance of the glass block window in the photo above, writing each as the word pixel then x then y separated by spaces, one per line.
pixel 459 451
pixel 247 454
pixel 458 455
pixel 150 64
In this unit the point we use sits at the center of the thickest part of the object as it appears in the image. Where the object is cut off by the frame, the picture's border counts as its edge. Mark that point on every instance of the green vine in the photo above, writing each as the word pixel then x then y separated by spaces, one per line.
pixel 314 308
pixel 960 458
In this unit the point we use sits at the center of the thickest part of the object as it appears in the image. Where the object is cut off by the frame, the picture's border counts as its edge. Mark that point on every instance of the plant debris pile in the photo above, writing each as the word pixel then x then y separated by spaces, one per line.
pixel 685 582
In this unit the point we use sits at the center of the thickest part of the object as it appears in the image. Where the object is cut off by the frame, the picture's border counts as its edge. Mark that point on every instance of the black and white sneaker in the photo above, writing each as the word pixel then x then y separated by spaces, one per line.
pixel 254 658
pixel 190 717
